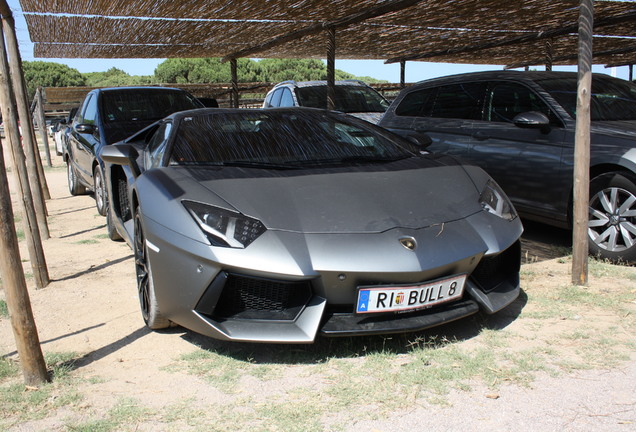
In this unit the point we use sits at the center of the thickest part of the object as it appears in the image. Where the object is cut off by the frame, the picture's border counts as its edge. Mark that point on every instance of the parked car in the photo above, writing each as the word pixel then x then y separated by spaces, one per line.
pixel 109 115
pixel 352 97
pixel 520 127
pixel 60 136
pixel 277 225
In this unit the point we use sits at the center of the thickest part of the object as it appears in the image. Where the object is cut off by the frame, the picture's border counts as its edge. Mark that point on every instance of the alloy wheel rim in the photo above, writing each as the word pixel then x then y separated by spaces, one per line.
pixel 141 269
pixel 612 219
pixel 99 190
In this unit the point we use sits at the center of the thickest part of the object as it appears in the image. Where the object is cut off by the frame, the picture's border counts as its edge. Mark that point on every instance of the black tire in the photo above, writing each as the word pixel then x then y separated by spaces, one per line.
pixel 113 234
pixel 74 187
pixel 612 220
pixel 101 201
pixel 145 286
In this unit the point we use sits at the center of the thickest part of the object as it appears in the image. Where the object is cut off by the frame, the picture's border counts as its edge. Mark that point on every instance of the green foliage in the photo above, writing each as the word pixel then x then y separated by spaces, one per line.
pixel 204 70
pixel 4 310
pixel 211 70
pixel 114 77
pixel 49 74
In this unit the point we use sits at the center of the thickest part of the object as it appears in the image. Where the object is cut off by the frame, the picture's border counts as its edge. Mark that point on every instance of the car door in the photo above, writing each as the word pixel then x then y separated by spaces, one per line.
pixel 526 162
pixel 84 141
pixel 444 113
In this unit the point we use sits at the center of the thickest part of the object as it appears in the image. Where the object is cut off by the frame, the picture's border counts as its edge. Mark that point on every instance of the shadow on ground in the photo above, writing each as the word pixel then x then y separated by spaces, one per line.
pixel 541 242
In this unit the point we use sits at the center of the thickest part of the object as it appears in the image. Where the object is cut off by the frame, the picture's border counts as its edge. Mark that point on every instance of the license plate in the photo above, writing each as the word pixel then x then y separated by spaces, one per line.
pixel 409 297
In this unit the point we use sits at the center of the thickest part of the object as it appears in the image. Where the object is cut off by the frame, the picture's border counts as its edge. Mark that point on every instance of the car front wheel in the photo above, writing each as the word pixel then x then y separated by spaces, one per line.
pixel 145 285
pixel 612 220
pixel 100 191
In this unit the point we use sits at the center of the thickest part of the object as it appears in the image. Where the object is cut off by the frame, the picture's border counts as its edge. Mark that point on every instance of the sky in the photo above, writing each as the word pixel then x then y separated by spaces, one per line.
pixel 415 71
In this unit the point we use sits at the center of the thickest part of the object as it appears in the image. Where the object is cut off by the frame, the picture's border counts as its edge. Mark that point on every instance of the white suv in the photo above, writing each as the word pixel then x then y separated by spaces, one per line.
pixel 352 97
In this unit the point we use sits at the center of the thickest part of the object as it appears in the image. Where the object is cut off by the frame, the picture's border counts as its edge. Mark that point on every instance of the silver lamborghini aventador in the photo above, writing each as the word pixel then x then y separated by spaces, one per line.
pixel 279 225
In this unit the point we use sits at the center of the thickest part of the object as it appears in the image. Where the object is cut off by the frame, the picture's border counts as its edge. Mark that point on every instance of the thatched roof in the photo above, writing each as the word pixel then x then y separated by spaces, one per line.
pixel 458 31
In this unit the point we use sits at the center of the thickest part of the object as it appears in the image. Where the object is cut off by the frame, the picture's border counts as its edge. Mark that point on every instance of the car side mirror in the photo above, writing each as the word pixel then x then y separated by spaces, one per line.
pixel 419 139
pixel 85 128
pixel 532 120
pixel 121 154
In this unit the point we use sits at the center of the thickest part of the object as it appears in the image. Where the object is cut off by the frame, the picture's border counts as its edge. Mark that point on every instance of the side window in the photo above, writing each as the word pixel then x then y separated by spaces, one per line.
pixel 506 100
pixel 417 103
pixel 157 145
pixel 89 114
pixel 286 99
pixel 275 102
pixel 459 101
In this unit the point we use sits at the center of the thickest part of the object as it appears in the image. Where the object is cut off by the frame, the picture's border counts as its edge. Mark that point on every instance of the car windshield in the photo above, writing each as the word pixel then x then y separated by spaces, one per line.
pixel 285 138
pixel 612 98
pixel 127 111
pixel 349 98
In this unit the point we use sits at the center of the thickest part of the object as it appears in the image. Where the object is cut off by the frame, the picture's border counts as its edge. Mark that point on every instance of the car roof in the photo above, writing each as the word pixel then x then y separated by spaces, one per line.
pixel 137 88
pixel 527 76
pixel 319 83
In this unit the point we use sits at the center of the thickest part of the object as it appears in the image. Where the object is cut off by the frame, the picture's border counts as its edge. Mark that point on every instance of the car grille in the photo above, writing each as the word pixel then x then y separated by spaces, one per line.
pixel 493 270
pixel 255 298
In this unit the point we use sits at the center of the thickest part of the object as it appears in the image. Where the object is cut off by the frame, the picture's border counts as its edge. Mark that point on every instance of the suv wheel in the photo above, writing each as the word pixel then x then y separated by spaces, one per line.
pixel 612 223
pixel 100 191
pixel 73 185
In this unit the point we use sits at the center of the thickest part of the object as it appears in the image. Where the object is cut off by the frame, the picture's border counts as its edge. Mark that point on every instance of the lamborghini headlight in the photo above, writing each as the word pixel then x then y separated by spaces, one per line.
pixel 224 227
pixel 494 200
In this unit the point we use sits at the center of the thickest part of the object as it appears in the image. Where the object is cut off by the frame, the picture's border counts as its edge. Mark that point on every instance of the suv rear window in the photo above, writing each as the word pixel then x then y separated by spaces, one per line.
pixel 349 98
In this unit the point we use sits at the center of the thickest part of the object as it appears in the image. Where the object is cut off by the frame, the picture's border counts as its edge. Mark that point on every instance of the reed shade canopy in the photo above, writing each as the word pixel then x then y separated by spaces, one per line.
pixel 519 33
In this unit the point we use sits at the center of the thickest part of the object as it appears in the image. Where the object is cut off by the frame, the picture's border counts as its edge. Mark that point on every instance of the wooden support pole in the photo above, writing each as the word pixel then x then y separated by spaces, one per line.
pixel 331 68
pixel 14 283
pixel 38 161
pixel 16 293
pixel 235 89
pixel 402 73
pixel 9 116
pixel 549 53
pixel 631 72
pixel 30 145
pixel 39 112
pixel 582 146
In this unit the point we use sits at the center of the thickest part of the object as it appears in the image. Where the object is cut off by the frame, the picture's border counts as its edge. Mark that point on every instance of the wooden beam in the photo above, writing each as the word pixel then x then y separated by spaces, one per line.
pixel 582 146
pixel 14 283
pixel 10 118
pixel 36 179
pixel 574 57
pixel 235 88
pixel 385 8
pixel 532 37
pixel 331 68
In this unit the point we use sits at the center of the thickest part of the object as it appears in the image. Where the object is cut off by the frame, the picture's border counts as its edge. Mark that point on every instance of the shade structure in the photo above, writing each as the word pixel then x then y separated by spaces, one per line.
pixel 457 31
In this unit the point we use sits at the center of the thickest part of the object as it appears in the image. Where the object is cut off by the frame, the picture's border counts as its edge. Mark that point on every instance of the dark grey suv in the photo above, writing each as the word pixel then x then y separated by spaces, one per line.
pixel 519 127
pixel 109 115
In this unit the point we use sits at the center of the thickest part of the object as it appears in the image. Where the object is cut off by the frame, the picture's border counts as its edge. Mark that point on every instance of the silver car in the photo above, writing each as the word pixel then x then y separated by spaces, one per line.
pixel 280 225
pixel 353 97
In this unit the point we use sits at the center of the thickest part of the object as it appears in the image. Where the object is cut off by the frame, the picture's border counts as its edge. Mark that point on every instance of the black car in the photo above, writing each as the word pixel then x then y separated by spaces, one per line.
pixel 520 127
pixel 109 115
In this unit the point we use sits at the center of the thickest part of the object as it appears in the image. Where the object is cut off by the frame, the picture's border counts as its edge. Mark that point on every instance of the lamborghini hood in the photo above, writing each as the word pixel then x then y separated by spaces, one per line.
pixel 358 200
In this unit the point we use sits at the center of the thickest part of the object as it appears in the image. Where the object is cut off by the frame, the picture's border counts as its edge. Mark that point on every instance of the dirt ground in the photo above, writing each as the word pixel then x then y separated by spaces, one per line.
pixel 91 308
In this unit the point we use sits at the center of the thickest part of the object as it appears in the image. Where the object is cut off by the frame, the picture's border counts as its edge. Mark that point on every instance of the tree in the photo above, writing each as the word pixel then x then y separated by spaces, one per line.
pixel 49 74
pixel 114 77
pixel 204 70
pixel 211 70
